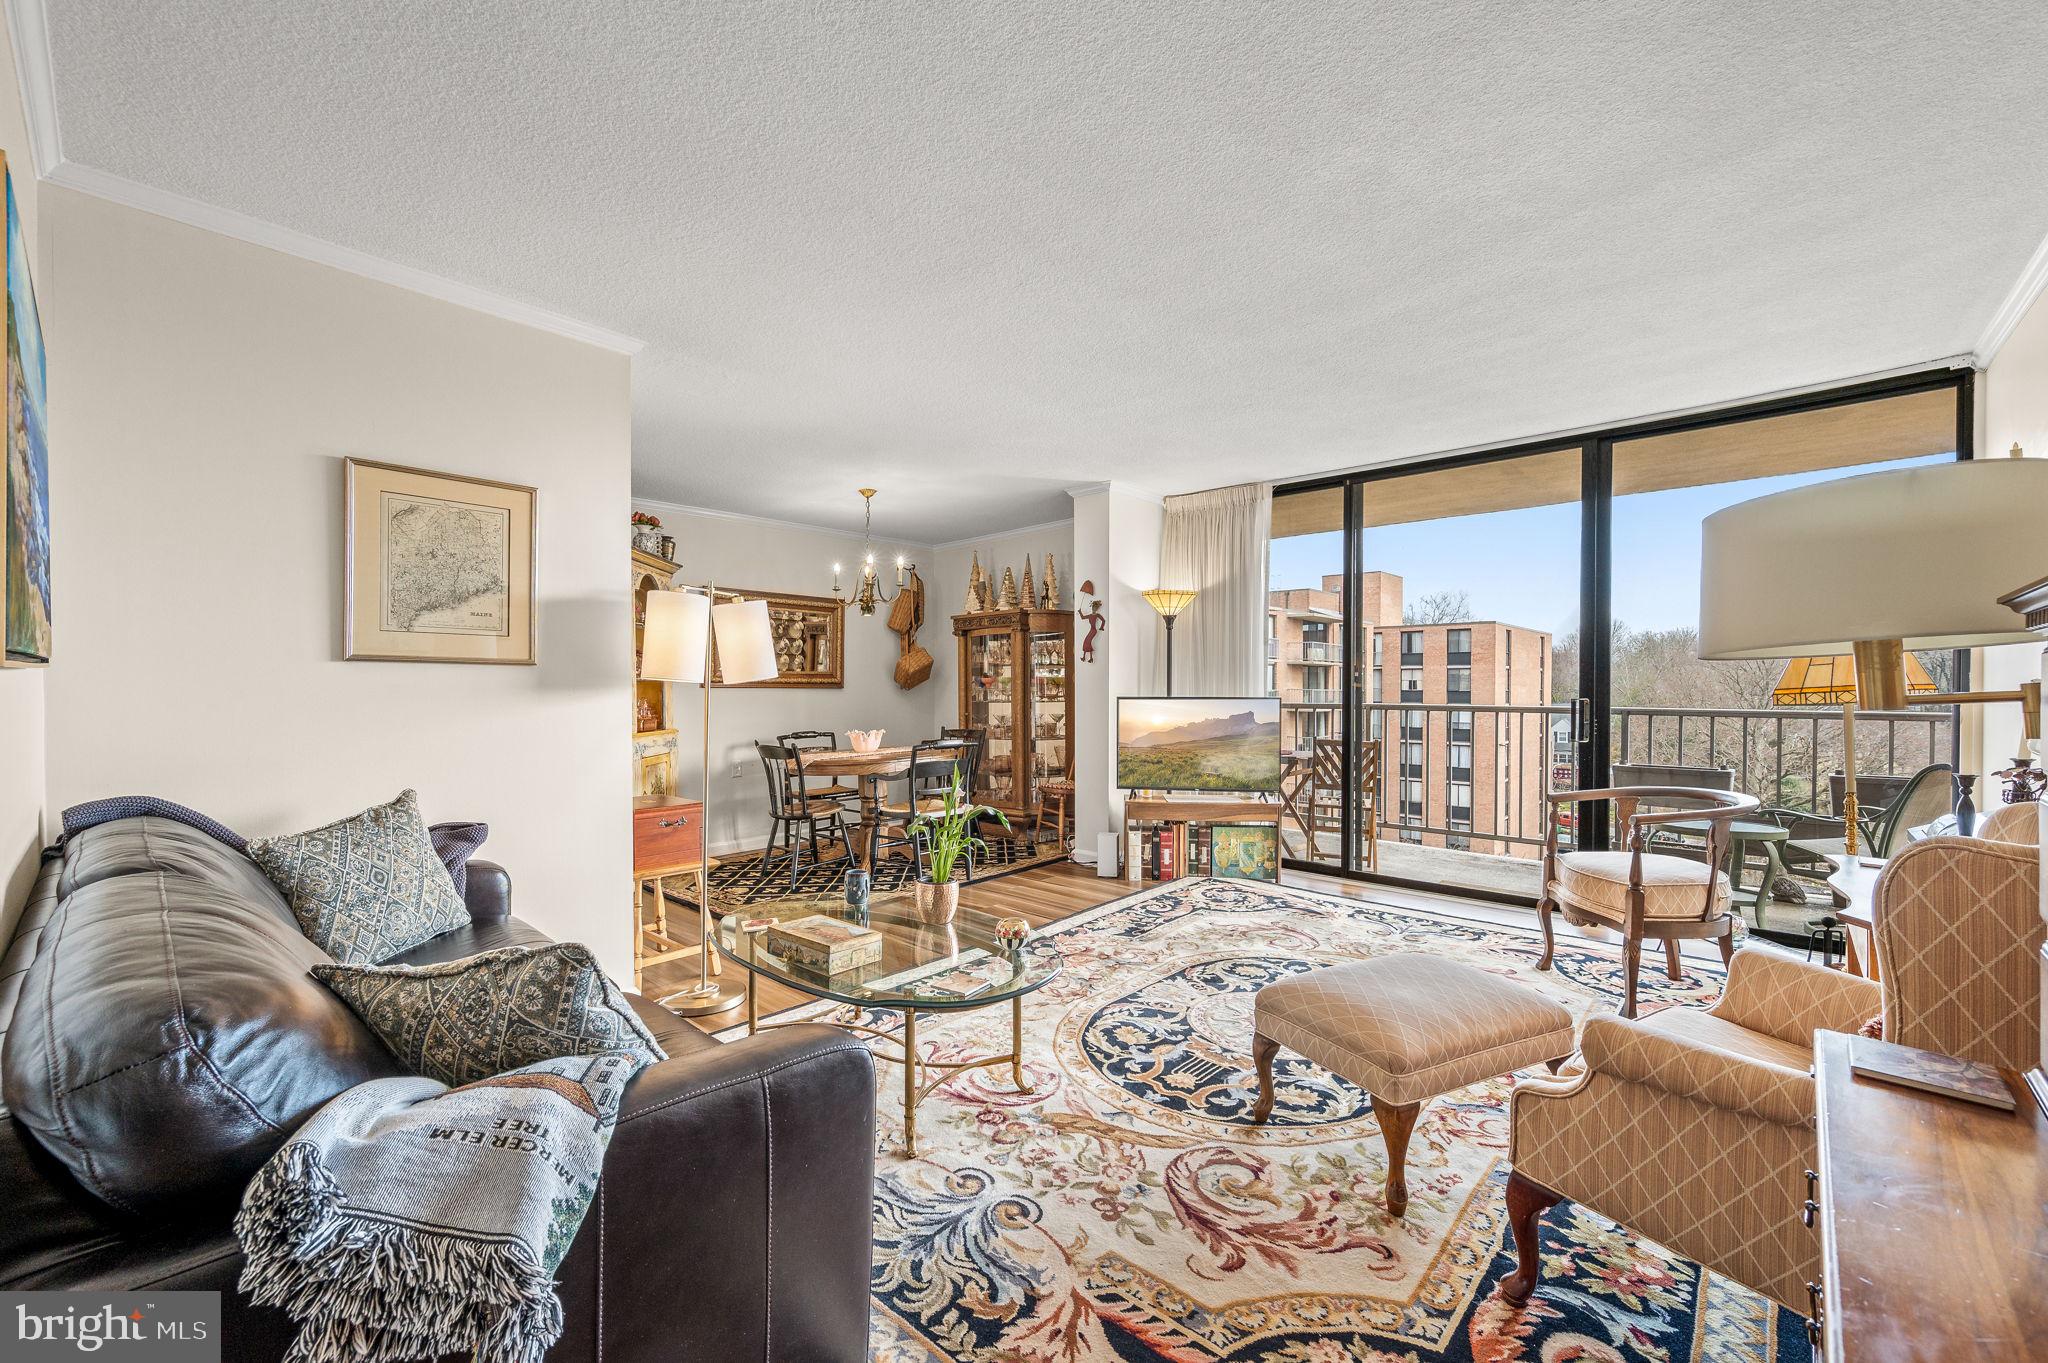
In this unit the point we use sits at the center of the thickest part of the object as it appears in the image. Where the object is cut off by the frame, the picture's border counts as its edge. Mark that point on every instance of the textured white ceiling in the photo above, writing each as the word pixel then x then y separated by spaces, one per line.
pixel 975 253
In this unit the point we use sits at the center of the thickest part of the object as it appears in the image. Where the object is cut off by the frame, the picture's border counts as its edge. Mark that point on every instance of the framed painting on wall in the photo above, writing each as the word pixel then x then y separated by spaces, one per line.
pixel 1245 851
pixel 25 516
pixel 440 567
pixel 809 634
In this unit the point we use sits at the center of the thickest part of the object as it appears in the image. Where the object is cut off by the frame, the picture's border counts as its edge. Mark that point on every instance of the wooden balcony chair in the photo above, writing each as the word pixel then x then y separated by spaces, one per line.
pixel 1326 797
pixel 1644 894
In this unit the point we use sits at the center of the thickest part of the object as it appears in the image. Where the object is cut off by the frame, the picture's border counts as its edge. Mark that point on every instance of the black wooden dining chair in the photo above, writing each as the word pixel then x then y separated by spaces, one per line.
pixel 796 819
pixel 925 783
pixel 825 787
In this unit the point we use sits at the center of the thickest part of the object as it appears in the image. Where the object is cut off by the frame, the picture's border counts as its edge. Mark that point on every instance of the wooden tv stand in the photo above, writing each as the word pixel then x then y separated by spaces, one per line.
pixel 1195 809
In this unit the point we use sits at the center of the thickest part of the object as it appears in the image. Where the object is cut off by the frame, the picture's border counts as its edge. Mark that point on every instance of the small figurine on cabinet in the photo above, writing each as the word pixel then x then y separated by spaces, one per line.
pixel 1096 624
pixel 1030 587
pixel 974 594
pixel 1049 586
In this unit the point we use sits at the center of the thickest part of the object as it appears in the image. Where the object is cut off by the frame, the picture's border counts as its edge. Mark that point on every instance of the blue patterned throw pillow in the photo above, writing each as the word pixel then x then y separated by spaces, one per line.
pixel 368 887
pixel 461 1021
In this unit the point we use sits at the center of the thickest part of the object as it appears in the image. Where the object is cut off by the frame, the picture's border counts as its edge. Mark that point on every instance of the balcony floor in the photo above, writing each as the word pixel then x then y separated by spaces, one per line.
pixel 1450 871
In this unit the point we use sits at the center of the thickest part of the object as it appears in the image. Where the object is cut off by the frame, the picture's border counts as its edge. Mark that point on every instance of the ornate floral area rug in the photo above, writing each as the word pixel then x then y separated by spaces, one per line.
pixel 1126 1210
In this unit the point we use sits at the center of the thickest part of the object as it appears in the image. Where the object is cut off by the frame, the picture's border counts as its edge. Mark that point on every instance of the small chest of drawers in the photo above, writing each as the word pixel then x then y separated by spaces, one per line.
pixel 668 834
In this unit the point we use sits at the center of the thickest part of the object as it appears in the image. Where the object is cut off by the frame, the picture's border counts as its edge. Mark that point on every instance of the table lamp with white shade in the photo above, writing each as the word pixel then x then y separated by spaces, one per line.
pixel 1876 566
pixel 681 628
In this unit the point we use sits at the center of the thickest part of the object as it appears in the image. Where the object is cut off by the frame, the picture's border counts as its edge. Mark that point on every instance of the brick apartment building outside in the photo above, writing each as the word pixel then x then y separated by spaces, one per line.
pixel 1449 777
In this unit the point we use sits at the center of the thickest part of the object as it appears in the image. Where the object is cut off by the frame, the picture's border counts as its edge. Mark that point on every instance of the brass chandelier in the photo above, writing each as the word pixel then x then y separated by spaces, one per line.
pixel 870 594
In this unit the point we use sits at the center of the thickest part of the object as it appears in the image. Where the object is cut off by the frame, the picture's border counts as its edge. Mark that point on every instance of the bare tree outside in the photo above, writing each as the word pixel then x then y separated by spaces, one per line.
pixel 1439 608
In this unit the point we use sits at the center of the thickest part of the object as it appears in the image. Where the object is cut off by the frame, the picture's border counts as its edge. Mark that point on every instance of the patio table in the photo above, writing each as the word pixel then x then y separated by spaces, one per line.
pixel 1741 833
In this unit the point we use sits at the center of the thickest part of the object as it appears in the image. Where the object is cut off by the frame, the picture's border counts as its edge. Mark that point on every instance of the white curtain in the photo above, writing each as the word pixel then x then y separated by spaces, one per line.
pixel 1215 542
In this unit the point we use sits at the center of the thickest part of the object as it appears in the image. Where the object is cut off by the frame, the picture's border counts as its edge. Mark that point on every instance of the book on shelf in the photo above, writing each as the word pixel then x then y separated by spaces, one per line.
pixel 1930 1072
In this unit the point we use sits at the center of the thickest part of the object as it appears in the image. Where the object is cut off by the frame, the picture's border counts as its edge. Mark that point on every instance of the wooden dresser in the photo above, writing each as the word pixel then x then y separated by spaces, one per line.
pixel 1933 1218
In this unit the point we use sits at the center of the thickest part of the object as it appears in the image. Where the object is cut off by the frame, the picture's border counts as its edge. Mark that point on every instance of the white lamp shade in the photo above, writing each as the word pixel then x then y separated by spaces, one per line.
pixel 746 645
pixel 672 637
pixel 1920 554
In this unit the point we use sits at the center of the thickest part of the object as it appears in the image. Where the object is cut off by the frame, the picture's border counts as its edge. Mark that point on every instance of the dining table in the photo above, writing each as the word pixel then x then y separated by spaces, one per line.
pixel 870 769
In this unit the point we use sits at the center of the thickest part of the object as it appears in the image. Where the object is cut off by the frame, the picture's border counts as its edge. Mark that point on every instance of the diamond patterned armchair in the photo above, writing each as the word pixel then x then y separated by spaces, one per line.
pixel 1959 929
pixel 1694 1126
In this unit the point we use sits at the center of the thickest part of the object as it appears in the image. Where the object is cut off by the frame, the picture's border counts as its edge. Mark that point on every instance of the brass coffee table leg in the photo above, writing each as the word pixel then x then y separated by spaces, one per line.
pixel 910 1093
pixel 753 1005
pixel 1017 1044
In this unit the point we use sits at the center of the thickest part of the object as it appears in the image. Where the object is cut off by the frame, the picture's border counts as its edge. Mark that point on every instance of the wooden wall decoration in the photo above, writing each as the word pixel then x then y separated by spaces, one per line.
pixel 810 640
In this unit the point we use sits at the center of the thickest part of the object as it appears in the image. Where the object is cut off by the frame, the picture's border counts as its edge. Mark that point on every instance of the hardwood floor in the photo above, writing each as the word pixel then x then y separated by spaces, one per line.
pixel 1047 894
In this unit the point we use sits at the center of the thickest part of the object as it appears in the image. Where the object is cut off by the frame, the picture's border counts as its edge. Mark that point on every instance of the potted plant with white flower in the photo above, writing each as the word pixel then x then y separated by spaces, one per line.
pixel 948 837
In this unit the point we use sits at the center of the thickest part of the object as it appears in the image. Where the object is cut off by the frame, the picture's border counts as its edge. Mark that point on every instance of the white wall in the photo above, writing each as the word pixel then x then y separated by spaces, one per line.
pixel 768 556
pixel 1116 544
pixel 22 689
pixel 947 584
pixel 2015 412
pixel 204 392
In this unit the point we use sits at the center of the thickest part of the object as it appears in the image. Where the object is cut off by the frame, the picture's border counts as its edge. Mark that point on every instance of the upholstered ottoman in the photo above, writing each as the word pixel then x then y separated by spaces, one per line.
pixel 1405 1028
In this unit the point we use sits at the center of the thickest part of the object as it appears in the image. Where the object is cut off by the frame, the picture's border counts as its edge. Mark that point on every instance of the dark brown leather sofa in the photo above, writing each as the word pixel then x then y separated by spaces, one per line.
pixel 165 1040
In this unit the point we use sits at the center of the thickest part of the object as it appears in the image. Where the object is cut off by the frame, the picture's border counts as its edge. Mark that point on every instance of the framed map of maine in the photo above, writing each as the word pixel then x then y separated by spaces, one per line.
pixel 440 567
pixel 25 470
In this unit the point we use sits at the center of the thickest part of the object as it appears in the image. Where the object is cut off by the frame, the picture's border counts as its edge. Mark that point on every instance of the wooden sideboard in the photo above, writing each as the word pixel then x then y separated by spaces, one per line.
pixel 1933 1218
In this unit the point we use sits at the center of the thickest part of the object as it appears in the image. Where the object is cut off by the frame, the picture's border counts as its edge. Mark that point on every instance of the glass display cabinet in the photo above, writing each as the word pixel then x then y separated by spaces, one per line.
pixel 1016 675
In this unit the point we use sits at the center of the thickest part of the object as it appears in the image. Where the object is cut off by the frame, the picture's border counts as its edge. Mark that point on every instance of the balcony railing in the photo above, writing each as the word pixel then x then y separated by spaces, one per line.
pixel 1310 698
pixel 1781 756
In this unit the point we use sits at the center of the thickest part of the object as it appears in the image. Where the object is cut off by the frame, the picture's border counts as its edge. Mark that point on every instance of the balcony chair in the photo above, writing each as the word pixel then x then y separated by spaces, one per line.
pixel 1882 830
pixel 1326 797
pixel 1640 892
pixel 795 818
pixel 1958 933
pixel 1694 1127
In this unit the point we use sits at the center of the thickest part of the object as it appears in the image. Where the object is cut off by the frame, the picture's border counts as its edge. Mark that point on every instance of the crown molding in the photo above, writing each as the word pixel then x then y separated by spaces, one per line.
pixel 715 513
pixel 229 223
pixel 1066 524
pixel 2025 291
pixel 29 26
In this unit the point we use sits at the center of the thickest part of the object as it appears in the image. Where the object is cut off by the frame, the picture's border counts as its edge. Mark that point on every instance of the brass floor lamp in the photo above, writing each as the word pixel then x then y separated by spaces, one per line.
pixel 676 647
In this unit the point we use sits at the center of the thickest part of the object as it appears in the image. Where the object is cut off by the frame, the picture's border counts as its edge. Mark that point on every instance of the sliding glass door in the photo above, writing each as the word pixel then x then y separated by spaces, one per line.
pixel 1418 620
pixel 1450 640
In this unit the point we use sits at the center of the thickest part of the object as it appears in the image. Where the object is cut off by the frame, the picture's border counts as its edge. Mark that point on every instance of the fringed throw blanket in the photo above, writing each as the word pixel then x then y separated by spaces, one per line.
pixel 409 1220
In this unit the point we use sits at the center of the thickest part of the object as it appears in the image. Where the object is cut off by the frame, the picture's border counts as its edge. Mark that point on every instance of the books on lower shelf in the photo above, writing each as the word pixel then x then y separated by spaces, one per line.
pixel 1168 851
pixel 1930 1072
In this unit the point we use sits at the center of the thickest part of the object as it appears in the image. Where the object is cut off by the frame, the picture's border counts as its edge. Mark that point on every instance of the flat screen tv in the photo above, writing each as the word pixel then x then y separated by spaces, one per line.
pixel 1205 743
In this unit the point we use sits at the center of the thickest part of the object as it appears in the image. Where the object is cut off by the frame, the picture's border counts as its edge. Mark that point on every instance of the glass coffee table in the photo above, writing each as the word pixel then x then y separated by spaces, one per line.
pixel 975 961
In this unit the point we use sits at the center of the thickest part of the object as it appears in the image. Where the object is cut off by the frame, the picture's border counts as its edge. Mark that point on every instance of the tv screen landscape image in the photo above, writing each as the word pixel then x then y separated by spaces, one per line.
pixel 1198 743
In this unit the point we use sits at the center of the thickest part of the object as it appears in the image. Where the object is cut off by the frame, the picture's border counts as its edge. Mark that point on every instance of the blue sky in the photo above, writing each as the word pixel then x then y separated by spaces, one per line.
pixel 1522 567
